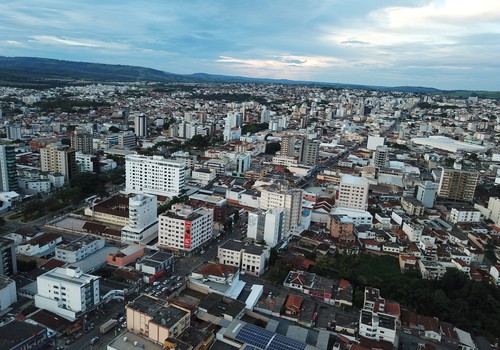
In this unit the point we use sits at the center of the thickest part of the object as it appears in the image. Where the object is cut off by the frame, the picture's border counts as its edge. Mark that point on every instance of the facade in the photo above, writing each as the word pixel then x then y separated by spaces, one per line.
pixel 81 141
pixel 309 152
pixel 126 140
pixel 8 262
pixel 353 193
pixel 79 249
pixel 464 215
pixel 242 163
pixel 8 293
pixel 413 231
pixel 381 157
pixel 457 184
pixel 342 228
pixel 288 199
pixel 427 192
pixel 288 146
pixel 184 229
pixel 37 185
pixel 141 126
pixel 142 219
pixel 266 225
pixel 412 206
pixel 154 175
pixel 8 172
pixel 67 292
pixel 250 258
pixel 14 132
pixel 377 326
pixel 58 159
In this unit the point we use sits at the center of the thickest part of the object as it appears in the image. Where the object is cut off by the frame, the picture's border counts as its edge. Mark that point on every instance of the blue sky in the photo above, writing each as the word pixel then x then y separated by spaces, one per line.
pixel 448 44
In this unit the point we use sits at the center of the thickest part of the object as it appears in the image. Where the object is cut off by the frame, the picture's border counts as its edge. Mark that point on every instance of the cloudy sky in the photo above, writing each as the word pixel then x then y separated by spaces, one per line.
pixel 448 44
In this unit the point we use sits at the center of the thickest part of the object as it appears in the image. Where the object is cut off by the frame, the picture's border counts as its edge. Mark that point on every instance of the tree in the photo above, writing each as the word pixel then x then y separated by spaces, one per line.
pixel 113 129
pixel 272 147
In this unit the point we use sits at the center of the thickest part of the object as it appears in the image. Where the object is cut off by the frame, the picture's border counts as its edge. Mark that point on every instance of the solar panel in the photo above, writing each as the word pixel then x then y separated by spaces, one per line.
pixel 281 342
pixel 254 335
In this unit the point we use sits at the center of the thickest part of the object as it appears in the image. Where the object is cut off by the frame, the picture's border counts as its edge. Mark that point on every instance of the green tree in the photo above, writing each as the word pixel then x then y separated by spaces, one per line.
pixel 272 147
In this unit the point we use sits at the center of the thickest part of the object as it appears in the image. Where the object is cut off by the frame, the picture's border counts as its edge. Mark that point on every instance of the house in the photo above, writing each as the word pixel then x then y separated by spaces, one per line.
pixel 40 245
pixel 344 293
pixel 429 327
pixel 293 305
pixel 311 284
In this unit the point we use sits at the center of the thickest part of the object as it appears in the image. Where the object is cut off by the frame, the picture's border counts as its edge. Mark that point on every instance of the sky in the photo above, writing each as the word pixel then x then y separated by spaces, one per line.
pixel 446 44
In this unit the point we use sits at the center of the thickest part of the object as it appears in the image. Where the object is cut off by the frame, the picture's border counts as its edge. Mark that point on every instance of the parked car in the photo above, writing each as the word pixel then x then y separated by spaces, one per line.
pixel 94 340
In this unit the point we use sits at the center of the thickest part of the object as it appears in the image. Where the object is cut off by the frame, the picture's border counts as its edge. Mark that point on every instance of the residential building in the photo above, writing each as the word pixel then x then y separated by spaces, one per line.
pixel 37 185
pixel 412 206
pixel 142 223
pixel 311 284
pixel 353 193
pixel 126 139
pixel 154 175
pixel 266 225
pixel 374 141
pixel 341 227
pixel 288 146
pixel 427 192
pixel 377 326
pixel 250 258
pixel 67 292
pixel 458 184
pixel 87 162
pixel 309 152
pixel 464 214
pixel 40 245
pixel 381 157
pixel 242 163
pixel 14 132
pixel 60 159
pixel 413 230
pixel 184 229
pixel 81 141
pixel 8 293
pixel 280 196
pixel 358 217
pixel 8 172
pixel 155 319
pixel 8 262
pixel 79 249
pixel 141 126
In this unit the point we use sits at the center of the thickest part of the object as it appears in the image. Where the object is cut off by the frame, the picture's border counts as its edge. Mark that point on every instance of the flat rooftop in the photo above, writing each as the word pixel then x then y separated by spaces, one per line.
pixel 125 341
pixel 161 314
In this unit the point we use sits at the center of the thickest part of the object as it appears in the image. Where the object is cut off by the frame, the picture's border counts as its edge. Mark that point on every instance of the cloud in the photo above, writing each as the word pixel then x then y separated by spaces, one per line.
pixel 82 42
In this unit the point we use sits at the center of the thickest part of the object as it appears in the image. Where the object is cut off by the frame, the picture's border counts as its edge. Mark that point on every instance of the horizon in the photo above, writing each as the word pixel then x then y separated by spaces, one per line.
pixel 432 43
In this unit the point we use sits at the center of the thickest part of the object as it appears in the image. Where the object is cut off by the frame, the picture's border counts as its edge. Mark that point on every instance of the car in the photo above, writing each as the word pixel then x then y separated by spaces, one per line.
pixel 94 340
pixel 155 283
pixel 406 331
pixel 179 278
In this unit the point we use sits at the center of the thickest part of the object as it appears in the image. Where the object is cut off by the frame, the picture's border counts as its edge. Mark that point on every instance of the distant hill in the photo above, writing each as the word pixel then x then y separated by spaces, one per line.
pixel 43 72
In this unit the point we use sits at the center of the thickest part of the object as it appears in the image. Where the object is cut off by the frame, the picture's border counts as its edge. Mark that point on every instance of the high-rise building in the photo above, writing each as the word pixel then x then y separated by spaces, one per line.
pixel 288 146
pixel 426 193
pixel 242 163
pixel 265 116
pixel 458 184
pixel 141 126
pixel 309 151
pixel 353 192
pixel 126 140
pixel 8 262
pixel 154 175
pixel 81 140
pixel 184 229
pixel 381 157
pixel 280 196
pixel 67 292
pixel 8 172
pixel 13 132
pixel 232 126
pixel 266 225
pixel 58 158
pixel 142 219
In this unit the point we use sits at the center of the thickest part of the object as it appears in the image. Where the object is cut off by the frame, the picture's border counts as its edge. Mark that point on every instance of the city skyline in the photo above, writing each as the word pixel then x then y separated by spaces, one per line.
pixel 439 44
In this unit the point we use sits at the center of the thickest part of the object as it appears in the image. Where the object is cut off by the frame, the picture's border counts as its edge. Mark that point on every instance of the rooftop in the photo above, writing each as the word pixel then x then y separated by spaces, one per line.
pixel 161 314
pixel 125 341
pixel 17 332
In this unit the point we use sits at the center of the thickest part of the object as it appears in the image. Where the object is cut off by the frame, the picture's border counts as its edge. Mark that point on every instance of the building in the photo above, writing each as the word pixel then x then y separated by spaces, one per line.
pixel 250 258
pixel 217 278
pixel 41 245
pixel 126 139
pixel 288 146
pixel 141 126
pixel 79 249
pixel 156 320
pixel 8 172
pixel 266 225
pixel 309 152
pixel 374 141
pixel 14 132
pixel 67 292
pixel 426 193
pixel 142 223
pixel 8 293
pixel 184 229
pixel 155 265
pixel 353 192
pixel 280 196
pixel 57 158
pixel 242 163
pixel 342 228
pixel 413 230
pixel 8 262
pixel 232 124
pixel 412 206
pixel 81 141
pixel 154 175
pixel 457 184
pixel 19 335
pixel 358 217
pixel 381 157
pixel 377 326
pixel 125 256
pixel 464 214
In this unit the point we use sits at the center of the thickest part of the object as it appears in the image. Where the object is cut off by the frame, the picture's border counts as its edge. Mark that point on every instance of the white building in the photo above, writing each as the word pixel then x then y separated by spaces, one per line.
pixel 203 176
pixel 413 230
pixel 85 162
pixel 242 163
pixel 8 293
pixel 353 192
pixel 250 258
pixel 464 215
pixel 185 229
pixel 374 141
pixel 287 199
pixel 142 219
pixel 154 175
pixel 427 192
pixel 38 185
pixel 67 292
pixel 359 217
pixel 79 249
pixel 377 326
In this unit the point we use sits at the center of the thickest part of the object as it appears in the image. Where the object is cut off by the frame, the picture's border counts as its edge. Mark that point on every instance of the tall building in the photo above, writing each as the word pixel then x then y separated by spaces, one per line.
pixel 67 292
pixel 279 196
pixel 81 140
pixel 242 163
pixel 13 132
pixel 266 225
pixel 142 219
pixel 126 140
pixel 184 229
pixel 426 193
pixel 8 262
pixel 141 126
pixel 154 175
pixel 381 157
pixel 288 146
pixel 265 115
pixel 232 126
pixel 457 184
pixel 8 172
pixel 309 151
pixel 353 192
pixel 57 158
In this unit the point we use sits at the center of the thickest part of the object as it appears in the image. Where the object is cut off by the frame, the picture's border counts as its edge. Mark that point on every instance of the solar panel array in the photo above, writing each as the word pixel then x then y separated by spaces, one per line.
pixel 264 339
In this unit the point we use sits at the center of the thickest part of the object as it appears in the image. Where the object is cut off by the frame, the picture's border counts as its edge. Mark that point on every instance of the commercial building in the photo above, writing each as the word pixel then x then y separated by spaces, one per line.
pixel 458 184
pixel 353 193
pixel 358 217
pixel 57 158
pixel 79 249
pixel 280 196
pixel 19 335
pixel 250 258
pixel 342 228
pixel 266 225
pixel 154 175
pixel 184 229
pixel 155 265
pixel 8 172
pixel 377 326
pixel 142 223
pixel 126 139
pixel 67 292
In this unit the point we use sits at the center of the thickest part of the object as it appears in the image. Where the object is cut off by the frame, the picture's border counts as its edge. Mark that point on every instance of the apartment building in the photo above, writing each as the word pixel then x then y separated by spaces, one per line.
pixel 458 184
pixel 79 249
pixel 8 172
pixel 184 229
pixel 288 146
pixel 413 230
pixel 250 258
pixel 8 262
pixel 67 292
pixel 57 158
pixel 353 193
pixel 280 196
pixel 427 192
pixel 81 141
pixel 142 223
pixel 154 175
pixel 377 326
pixel 464 214
pixel 309 152
pixel 266 225
pixel 381 157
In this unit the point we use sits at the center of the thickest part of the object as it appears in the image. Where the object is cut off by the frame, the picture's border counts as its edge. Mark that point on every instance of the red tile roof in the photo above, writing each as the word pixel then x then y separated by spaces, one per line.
pixel 294 302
